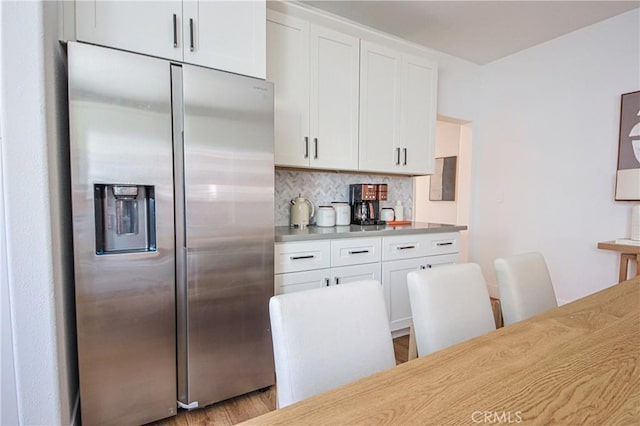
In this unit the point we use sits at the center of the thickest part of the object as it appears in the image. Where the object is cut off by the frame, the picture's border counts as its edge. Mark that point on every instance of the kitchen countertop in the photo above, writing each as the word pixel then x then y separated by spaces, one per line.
pixel 286 233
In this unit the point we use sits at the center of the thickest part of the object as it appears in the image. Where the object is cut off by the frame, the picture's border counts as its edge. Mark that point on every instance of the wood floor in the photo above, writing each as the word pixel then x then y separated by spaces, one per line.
pixel 244 407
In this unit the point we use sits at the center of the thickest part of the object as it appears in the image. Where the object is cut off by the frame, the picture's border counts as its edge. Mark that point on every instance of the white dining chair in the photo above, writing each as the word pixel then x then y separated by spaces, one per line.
pixel 326 337
pixel 449 304
pixel 524 285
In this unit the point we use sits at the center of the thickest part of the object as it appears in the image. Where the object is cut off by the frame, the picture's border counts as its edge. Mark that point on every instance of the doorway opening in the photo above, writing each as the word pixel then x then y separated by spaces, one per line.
pixel 453 139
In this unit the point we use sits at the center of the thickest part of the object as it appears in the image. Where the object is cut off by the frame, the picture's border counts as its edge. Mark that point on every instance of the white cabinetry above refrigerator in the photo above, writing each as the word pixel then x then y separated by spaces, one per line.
pixel 226 35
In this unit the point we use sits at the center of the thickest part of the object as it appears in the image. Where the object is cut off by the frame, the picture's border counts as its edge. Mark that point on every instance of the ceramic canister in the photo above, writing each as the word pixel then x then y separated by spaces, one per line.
pixel 326 216
pixel 343 212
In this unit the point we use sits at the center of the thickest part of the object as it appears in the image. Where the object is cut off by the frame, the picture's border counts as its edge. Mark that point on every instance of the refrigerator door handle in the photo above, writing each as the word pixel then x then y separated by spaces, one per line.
pixel 180 232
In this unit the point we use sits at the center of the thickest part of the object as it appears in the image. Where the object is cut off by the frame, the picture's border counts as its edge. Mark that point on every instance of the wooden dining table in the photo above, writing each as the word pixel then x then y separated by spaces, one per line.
pixel 573 365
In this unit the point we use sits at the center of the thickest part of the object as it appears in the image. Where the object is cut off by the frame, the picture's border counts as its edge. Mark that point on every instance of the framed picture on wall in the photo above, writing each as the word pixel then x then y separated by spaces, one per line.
pixel 628 174
pixel 442 185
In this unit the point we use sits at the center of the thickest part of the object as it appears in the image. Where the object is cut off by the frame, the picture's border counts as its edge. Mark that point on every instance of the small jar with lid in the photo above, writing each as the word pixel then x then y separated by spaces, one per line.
pixel 325 216
pixel 387 214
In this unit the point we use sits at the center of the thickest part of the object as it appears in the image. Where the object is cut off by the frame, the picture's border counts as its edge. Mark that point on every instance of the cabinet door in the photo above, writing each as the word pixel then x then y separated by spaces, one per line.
pixel 418 121
pixel 288 69
pixel 227 35
pixel 137 26
pixel 379 109
pixel 394 286
pixel 334 100
pixel 348 274
pixel 298 281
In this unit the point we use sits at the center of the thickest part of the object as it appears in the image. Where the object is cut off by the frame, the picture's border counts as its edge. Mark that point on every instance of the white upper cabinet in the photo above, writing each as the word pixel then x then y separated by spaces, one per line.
pixel 288 69
pixel 334 100
pixel 397 111
pixel 315 72
pixel 342 103
pixel 418 115
pixel 379 108
pixel 227 35
pixel 137 26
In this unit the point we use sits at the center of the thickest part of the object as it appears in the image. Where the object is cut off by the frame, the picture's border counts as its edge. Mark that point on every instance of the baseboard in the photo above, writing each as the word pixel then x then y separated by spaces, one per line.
pixel 400 333
pixel 76 409
pixel 493 290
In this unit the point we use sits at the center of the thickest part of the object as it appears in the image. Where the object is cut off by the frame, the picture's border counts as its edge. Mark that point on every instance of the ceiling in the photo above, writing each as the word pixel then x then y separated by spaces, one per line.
pixel 478 31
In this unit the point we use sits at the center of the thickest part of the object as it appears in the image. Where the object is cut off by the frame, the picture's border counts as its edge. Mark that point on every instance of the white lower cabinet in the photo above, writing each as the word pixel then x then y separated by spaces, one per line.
pixel 298 281
pixel 347 274
pixel 394 285
pixel 305 265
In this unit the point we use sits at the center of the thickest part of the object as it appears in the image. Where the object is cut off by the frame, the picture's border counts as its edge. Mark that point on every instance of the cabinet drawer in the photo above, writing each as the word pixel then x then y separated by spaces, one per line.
pixel 409 246
pixel 301 256
pixel 348 274
pixel 443 243
pixel 354 251
pixel 298 281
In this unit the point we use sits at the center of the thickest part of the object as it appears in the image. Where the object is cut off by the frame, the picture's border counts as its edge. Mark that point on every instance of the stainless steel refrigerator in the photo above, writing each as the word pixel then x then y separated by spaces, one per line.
pixel 172 199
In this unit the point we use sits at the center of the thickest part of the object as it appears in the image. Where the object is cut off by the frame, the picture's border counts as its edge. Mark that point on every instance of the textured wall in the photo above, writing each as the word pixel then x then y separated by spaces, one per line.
pixel 325 187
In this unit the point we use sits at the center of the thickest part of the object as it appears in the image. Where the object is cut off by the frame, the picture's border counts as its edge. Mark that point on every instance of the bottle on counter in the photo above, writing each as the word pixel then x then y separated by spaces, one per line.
pixel 399 211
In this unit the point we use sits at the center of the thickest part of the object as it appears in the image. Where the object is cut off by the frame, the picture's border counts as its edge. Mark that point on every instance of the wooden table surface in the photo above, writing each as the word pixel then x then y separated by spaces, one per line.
pixel 574 365
pixel 628 253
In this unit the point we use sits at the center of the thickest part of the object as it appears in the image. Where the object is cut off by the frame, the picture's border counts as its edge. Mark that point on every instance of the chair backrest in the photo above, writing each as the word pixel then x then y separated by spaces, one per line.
pixel 326 337
pixel 524 285
pixel 449 304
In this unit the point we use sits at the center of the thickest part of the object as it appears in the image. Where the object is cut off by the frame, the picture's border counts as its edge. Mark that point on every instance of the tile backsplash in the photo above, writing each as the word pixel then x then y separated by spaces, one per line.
pixel 324 187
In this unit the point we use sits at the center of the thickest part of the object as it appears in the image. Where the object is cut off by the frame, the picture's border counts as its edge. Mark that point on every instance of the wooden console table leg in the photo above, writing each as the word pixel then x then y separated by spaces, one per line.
pixel 625 258
pixel 637 265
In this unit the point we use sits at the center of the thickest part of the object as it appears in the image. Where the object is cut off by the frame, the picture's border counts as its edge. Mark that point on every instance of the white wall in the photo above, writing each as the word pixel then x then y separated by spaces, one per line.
pixel 38 266
pixel 545 151
pixel 8 392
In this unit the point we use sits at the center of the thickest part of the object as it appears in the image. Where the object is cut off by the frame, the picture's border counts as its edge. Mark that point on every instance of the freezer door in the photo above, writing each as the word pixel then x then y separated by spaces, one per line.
pixel 121 148
pixel 229 191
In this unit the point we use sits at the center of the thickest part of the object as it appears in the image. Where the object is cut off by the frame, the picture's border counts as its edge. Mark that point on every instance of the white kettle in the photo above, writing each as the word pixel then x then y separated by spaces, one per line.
pixel 301 211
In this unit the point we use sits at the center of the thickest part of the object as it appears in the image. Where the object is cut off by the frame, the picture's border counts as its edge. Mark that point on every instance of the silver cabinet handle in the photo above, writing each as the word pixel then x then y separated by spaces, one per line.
pixel 397 156
pixel 315 142
pixel 191 43
pixel 310 256
pixel 358 251
pixel 306 147
pixel 406 247
pixel 445 244
pixel 404 163
pixel 175 30
pixel 326 281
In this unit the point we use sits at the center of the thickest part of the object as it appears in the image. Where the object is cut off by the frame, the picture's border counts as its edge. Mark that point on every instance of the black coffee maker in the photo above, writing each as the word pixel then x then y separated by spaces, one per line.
pixel 365 203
